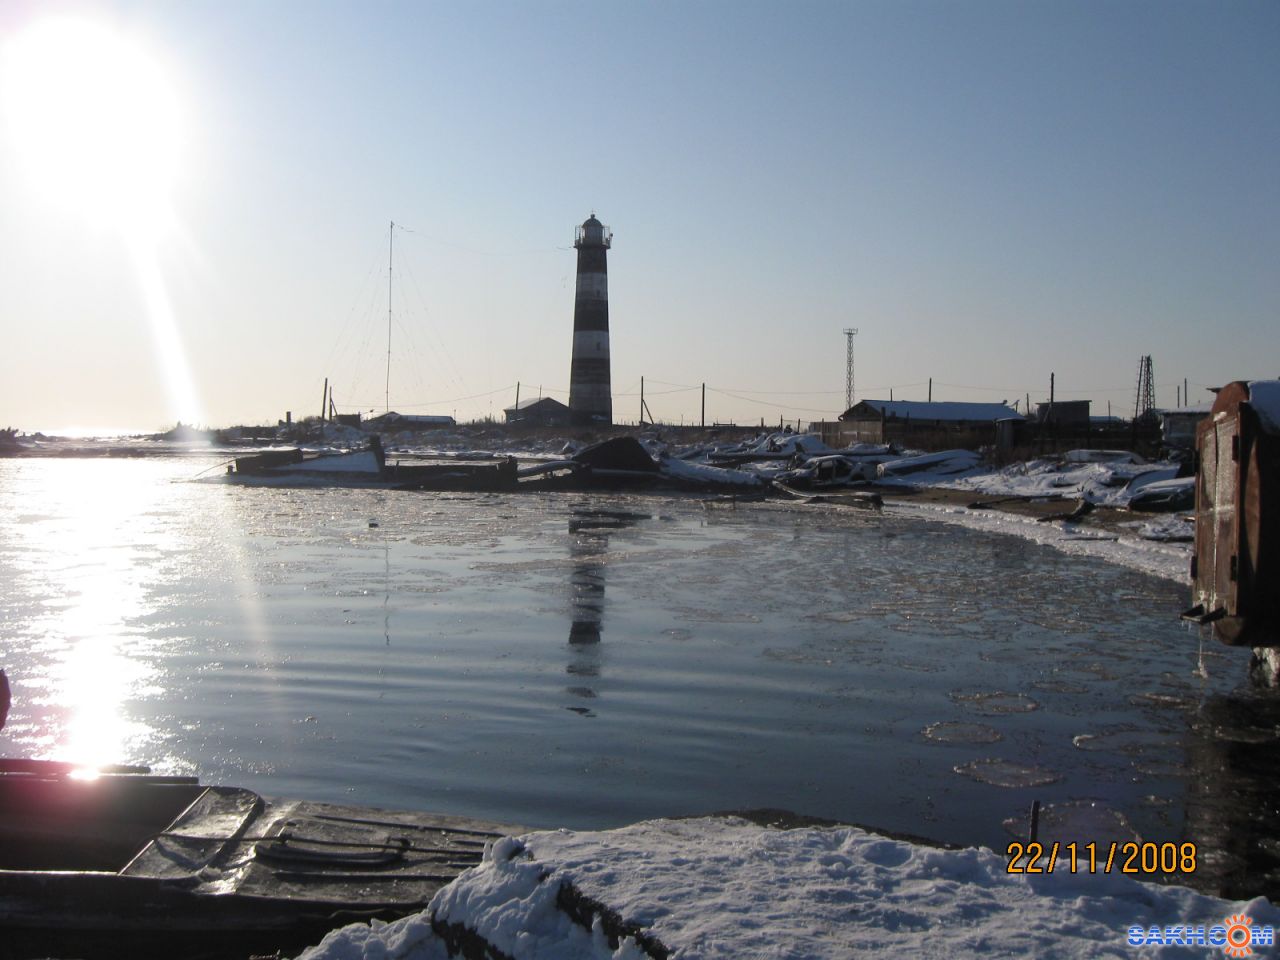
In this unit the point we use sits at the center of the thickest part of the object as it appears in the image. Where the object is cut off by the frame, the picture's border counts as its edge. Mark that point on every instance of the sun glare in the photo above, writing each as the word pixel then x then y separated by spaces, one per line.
pixel 95 120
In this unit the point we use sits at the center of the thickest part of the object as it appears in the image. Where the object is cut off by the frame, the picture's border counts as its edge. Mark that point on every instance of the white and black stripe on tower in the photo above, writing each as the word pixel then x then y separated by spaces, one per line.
pixel 590 400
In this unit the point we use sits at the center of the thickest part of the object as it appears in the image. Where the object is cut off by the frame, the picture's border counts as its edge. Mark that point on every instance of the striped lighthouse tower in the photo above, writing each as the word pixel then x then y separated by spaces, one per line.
pixel 589 398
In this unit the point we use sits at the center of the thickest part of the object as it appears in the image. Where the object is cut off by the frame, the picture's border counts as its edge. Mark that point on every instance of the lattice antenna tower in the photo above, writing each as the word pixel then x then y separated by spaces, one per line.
pixel 849 334
pixel 1146 397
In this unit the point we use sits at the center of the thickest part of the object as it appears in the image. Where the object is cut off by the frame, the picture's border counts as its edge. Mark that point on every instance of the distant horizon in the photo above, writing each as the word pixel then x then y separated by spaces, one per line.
pixel 109 433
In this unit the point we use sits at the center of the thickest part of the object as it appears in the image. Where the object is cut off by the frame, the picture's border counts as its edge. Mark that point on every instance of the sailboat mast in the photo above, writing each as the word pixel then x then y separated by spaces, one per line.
pixel 391 247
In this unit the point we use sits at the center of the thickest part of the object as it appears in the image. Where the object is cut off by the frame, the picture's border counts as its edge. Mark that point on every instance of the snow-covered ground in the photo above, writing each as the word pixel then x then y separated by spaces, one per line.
pixel 725 888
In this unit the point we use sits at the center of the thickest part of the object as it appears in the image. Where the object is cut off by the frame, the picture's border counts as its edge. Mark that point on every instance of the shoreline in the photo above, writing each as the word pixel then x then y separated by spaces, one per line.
pixel 1107 533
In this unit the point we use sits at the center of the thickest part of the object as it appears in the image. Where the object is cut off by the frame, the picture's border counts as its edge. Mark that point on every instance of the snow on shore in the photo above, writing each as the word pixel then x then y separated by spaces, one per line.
pixel 723 888
pixel 1159 558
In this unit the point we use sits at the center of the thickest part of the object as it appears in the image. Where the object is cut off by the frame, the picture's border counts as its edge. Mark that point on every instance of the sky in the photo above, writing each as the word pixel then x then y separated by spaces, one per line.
pixel 196 198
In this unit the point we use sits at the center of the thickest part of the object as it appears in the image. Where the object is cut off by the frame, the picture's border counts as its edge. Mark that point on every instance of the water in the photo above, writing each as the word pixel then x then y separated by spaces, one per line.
pixel 588 661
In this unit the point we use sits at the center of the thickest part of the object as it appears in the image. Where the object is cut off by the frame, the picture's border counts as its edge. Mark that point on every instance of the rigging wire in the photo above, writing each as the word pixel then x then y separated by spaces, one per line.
pixel 444 350
pixel 425 237
pixel 766 403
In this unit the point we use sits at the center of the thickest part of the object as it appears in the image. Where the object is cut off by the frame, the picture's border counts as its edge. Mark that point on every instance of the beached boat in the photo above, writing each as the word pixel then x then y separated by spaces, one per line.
pixel 367 468
pixel 293 464
pixel 130 864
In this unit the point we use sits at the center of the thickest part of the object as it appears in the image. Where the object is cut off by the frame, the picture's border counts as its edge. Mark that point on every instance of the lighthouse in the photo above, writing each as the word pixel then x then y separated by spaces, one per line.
pixel 589 399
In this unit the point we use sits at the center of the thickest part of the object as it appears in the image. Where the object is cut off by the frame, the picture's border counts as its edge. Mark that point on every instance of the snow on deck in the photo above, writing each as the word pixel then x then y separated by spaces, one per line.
pixel 714 889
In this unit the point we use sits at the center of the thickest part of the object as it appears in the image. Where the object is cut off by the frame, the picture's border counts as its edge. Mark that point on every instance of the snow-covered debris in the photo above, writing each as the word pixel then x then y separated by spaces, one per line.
pixel 340 433
pixel 867 450
pixel 828 471
pixel 946 463
pixel 1177 493
pixel 714 888
pixel 1102 456
pixel 789 443
pixel 695 452
pixel 701 474
pixel 774 446
pixel 1111 484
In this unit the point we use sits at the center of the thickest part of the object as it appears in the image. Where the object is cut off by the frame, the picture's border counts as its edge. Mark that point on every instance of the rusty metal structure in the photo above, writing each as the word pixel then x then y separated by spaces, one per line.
pixel 1235 571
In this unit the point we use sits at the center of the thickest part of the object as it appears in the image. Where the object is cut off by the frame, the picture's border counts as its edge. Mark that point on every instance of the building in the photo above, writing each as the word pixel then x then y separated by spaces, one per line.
pixel 590 398
pixel 1178 427
pixel 1071 414
pixel 539 412
pixel 921 423
pixel 404 421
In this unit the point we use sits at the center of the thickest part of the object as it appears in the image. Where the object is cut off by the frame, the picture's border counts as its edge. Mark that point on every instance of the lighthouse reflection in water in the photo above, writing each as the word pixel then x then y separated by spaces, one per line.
pixel 588 544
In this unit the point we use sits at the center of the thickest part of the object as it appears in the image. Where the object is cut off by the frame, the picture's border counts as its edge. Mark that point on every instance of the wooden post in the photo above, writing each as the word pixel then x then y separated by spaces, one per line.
pixel 324 399
pixel 931 389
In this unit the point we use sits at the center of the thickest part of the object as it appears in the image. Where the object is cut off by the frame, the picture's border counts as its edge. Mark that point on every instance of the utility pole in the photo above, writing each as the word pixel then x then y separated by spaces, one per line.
pixel 391 252
pixel 849 334
pixel 704 405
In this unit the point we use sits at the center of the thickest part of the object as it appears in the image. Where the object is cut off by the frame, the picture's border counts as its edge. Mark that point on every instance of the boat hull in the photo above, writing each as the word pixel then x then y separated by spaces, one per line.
pixel 158 866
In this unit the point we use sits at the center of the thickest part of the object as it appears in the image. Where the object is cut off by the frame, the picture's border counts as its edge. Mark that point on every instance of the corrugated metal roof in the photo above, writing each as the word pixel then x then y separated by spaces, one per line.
pixel 941 410
pixel 534 401
pixel 411 418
